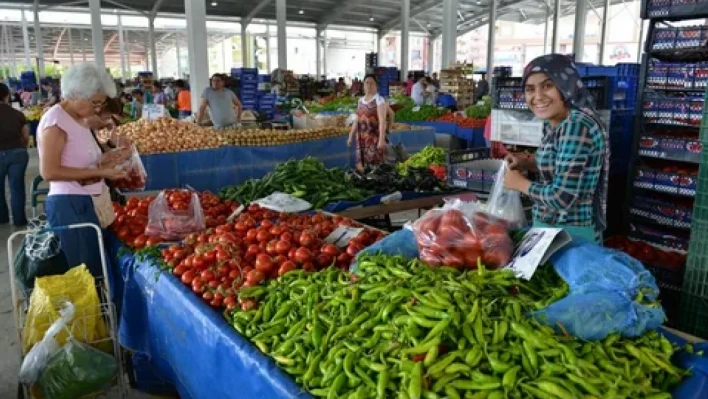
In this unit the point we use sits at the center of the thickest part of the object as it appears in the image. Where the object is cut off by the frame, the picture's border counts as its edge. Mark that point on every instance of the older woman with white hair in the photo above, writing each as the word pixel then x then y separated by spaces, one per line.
pixel 71 161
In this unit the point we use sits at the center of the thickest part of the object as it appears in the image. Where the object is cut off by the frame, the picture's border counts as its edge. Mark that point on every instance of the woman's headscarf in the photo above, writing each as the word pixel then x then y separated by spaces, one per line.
pixel 562 71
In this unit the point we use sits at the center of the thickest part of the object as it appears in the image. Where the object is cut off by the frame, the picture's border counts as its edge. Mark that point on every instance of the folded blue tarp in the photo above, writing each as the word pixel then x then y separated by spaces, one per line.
pixel 216 168
pixel 474 137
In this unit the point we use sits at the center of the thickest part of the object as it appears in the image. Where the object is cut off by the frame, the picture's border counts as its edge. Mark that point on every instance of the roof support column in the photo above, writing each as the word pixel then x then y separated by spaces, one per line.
pixel 449 33
pixel 26 41
pixel 431 53
pixel 10 42
pixel 405 36
pixel 97 33
pixel 179 56
pixel 491 37
pixel 121 49
pixel 127 56
pixel 3 61
pixel 71 47
pixel 545 32
pixel 198 49
pixel 581 12
pixel 324 53
pixel 379 36
pixel 556 14
pixel 604 31
pixel 38 39
pixel 244 47
pixel 318 53
pixel 269 66
pixel 280 11
pixel 153 47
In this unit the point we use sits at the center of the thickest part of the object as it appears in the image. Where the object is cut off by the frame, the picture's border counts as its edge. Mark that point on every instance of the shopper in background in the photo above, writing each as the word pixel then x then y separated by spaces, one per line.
pixel 420 93
pixel 435 80
pixel 224 107
pixel 14 136
pixel 409 84
pixel 71 161
pixel 184 99
pixel 482 88
pixel 158 96
pixel 370 128
pixel 573 158
pixel 340 88
pixel 170 92
pixel 357 87
pixel 136 109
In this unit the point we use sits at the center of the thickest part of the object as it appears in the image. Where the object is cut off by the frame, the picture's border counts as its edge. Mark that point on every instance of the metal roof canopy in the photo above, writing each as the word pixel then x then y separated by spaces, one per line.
pixel 379 15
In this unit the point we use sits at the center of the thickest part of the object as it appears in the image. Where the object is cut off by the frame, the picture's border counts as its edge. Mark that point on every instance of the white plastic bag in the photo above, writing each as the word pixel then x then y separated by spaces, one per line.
pixel 39 355
pixel 506 204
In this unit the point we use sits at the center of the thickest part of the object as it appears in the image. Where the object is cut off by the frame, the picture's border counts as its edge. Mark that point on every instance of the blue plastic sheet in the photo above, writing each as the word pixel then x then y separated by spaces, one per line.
pixel 604 285
pixel 219 167
pixel 474 137
pixel 374 200
pixel 695 386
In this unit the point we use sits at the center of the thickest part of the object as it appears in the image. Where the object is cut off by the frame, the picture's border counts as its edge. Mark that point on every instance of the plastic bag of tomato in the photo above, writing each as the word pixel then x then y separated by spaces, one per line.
pixel 137 176
pixel 259 245
pixel 175 214
pixel 448 237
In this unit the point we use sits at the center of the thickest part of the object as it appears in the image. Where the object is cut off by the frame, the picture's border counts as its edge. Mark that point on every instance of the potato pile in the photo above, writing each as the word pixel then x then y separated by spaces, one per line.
pixel 267 137
pixel 169 135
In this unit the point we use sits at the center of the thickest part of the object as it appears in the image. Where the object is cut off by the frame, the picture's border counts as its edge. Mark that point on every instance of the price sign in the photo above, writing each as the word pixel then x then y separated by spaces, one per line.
pixel 535 249
pixel 153 111
pixel 342 235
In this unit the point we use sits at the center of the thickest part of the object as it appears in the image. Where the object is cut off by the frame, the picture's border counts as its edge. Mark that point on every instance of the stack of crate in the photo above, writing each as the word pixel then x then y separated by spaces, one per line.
pixel 457 80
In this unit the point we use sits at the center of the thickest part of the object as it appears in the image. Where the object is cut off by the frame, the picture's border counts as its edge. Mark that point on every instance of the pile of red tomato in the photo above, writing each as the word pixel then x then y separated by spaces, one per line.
pixel 461 120
pixel 647 253
pixel 447 237
pixel 258 245
pixel 132 219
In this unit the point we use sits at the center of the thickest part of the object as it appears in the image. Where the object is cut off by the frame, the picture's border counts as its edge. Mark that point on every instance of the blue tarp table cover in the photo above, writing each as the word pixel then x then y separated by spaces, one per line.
pixel 219 167
pixel 473 136
pixel 192 347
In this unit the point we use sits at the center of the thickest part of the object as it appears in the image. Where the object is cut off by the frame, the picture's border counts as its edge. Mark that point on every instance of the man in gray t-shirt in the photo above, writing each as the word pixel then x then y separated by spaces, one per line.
pixel 224 106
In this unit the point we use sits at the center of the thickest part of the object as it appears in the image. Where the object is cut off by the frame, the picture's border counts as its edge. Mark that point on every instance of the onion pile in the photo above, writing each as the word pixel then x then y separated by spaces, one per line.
pixel 267 137
pixel 169 135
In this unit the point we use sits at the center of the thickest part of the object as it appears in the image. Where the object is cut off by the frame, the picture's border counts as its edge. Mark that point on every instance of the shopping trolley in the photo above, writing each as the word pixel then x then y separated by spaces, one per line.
pixel 38 194
pixel 106 308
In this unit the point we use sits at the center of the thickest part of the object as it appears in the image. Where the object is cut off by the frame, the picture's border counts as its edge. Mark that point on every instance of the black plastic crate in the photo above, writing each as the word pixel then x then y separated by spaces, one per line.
pixel 666 277
pixel 381 222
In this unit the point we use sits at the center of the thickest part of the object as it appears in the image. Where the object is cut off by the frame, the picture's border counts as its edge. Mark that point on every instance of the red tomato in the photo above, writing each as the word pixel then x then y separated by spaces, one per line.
pixel 255 276
pixel 207 275
pixel 303 255
pixel 286 236
pixel 353 249
pixel 263 236
pixel 264 263
pixel 324 260
pixel 248 304
pixel 253 250
pixel 179 270
pixel 307 239
pixel 493 229
pixel 271 247
pixel 308 267
pixel 279 260
pixel 140 241
pixel 330 249
pixel 344 259
pixel 153 241
pixel 282 247
pixel 291 253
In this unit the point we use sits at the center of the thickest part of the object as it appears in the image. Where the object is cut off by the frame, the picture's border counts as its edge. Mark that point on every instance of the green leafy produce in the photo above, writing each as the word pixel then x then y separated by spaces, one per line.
pixel 480 111
pixel 421 113
pixel 385 179
pixel 346 103
pixel 306 178
pixel 430 155
pixel 404 329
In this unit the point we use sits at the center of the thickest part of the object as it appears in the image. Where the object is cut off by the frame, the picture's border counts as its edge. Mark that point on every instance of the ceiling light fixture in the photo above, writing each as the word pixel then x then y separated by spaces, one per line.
pixel 214 4
pixel 301 11
pixel 371 19
pixel 428 25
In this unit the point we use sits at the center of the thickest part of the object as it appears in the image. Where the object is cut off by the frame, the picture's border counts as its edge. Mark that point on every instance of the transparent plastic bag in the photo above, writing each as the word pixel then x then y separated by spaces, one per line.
pixel 171 224
pixel 76 370
pixel 39 355
pixel 137 176
pixel 506 204
pixel 448 237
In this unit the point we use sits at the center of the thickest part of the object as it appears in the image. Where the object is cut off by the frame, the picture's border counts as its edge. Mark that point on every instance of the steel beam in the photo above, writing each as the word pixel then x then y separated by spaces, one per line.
pixel 338 11
pixel 261 5
pixel 415 11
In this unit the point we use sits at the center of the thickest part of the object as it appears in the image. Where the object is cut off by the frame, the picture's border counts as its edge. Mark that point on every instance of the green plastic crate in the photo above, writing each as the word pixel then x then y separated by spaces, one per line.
pixel 695 281
pixel 694 315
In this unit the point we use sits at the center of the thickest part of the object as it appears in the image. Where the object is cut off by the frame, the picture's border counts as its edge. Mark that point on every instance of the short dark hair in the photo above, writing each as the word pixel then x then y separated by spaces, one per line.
pixel 372 76
pixel 180 83
pixel 137 91
pixel 4 91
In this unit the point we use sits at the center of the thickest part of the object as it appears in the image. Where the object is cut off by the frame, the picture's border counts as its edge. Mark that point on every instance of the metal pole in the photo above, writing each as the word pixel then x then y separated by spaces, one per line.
pixel 127 55
pixel 179 56
pixel 280 10
pixel 545 32
pixel 83 45
pixel 604 31
pixel 318 53
pixel 11 47
pixel 267 39
pixel 223 53
pixel 431 54
pixel 244 53
pixel 40 44
pixel 448 15
pixel 71 47
pixel 491 36
pixel 26 41
pixel 153 47
pixel 97 33
pixel 324 53
pixel 556 14
pixel 195 11
pixel 121 49
pixel 4 64
pixel 640 46
pixel 405 35
pixel 581 13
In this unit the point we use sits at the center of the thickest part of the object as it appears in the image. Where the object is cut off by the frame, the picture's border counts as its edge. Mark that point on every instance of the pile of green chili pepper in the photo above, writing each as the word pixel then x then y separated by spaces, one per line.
pixel 305 178
pixel 406 330
pixel 429 155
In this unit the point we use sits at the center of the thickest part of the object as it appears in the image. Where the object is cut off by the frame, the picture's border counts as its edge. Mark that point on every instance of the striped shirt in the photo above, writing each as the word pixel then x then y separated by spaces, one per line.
pixel 570 161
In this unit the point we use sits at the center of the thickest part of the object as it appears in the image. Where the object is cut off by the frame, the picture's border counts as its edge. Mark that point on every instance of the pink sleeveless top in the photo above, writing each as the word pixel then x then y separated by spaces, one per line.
pixel 80 151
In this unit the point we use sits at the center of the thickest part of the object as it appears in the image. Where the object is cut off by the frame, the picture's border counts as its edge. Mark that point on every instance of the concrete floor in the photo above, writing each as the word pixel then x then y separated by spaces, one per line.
pixel 9 348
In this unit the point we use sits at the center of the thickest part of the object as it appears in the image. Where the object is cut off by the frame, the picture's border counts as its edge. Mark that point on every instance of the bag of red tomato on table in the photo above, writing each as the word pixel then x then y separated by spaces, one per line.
pixel 175 214
pixel 137 176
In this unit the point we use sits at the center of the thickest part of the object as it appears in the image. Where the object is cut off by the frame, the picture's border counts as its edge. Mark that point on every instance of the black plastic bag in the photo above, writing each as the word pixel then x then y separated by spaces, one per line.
pixel 27 269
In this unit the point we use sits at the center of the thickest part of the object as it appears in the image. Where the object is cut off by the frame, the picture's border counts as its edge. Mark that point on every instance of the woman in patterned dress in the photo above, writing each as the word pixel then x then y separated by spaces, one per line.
pixel 573 158
pixel 370 126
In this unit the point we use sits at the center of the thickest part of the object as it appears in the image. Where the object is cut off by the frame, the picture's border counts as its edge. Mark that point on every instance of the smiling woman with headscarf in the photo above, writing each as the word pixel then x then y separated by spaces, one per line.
pixel 573 158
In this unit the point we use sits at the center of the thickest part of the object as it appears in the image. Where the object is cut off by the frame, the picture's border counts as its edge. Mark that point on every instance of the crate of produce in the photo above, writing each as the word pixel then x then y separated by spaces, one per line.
pixel 661 212
pixel 667 180
pixel 672 148
pixel 659 236
pixel 472 169
pixel 665 264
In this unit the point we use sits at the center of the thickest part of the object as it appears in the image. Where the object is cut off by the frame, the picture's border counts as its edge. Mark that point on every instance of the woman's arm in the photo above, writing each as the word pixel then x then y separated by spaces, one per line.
pixel 382 110
pixel 50 167
pixel 352 132
pixel 25 135
pixel 574 147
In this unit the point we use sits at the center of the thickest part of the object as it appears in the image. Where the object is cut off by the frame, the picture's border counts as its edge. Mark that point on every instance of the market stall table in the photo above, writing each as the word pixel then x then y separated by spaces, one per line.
pixel 394 207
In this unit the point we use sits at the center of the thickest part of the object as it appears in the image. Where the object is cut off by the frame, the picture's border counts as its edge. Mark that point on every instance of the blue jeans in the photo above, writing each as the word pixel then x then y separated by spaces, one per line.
pixel 79 245
pixel 13 164
pixel 184 114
